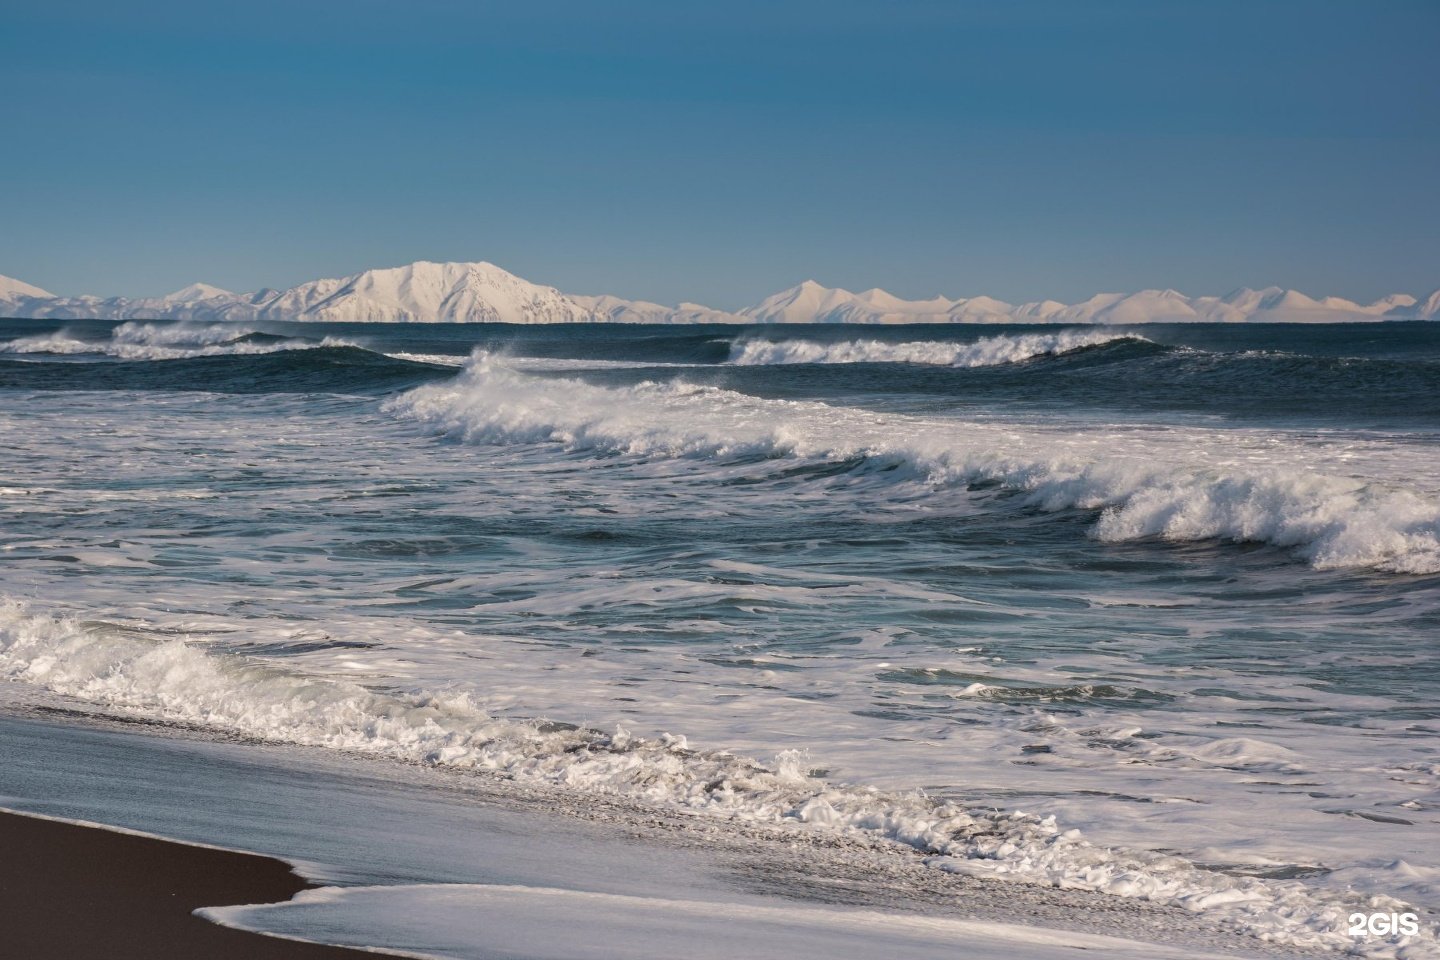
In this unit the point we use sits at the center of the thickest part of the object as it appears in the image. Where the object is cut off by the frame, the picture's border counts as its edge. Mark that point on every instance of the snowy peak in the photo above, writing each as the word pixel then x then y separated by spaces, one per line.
pixel 1391 302
pixel 803 303
pixel 12 289
pixel 884 300
pixel 811 302
pixel 1146 305
pixel 1247 299
pixel 1430 306
pixel 196 292
pixel 431 292
pixel 1037 311
pixel 1271 298
pixel 1425 309
pixel 424 292
pixel 1287 300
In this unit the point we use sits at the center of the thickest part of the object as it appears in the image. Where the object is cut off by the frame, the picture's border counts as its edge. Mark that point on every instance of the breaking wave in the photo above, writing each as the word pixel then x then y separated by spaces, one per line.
pixel 127 668
pixel 987 352
pixel 1192 490
pixel 166 341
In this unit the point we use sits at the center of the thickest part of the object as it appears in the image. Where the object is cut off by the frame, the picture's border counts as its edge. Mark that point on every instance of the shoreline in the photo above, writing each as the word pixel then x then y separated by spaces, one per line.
pixel 80 892
pixel 350 823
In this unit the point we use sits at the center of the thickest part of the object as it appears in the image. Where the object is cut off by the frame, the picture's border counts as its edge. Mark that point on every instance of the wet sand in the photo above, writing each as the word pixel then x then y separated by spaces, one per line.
pixel 70 892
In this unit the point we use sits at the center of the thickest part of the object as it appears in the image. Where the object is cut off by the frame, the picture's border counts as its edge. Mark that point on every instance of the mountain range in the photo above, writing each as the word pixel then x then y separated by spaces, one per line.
pixel 425 292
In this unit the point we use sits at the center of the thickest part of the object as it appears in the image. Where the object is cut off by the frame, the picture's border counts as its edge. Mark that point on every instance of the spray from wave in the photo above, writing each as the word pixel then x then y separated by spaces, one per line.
pixel 128 668
pixel 1149 485
pixel 166 341
pixel 988 352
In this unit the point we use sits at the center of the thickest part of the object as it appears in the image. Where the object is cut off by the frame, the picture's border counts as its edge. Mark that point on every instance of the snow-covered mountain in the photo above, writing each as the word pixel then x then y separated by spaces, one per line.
pixel 197 292
pixel 812 303
pixel 428 292
pixel 425 292
pixel 615 310
pixel 12 290
pixel 418 292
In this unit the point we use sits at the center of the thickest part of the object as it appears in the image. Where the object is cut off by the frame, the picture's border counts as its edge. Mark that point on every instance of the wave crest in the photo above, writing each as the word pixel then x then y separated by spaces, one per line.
pixel 987 352
pixel 1148 488
pixel 166 341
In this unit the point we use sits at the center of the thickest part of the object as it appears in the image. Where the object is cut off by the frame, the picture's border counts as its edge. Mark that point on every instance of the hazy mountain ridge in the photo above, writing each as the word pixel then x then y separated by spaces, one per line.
pixel 480 292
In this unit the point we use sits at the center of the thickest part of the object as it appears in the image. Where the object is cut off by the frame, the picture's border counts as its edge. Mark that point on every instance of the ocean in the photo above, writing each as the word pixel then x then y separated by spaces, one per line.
pixel 1151 612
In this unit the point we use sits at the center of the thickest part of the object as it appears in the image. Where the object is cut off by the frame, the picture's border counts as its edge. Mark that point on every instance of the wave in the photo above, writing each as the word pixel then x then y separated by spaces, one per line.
pixel 129 668
pixel 989 351
pixel 179 334
pixel 318 368
pixel 166 341
pixel 1168 485
pixel 1119 372
pixel 1274 382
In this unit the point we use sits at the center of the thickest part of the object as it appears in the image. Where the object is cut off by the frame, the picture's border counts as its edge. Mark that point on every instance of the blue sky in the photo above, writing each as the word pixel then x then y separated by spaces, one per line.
pixel 718 152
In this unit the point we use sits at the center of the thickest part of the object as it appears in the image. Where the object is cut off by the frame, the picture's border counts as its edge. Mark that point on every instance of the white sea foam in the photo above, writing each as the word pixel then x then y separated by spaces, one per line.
pixel 162 341
pixel 131 668
pixel 535 363
pixel 438 359
pixel 178 334
pixel 444 920
pixel 989 351
pixel 757 652
pixel 1225 485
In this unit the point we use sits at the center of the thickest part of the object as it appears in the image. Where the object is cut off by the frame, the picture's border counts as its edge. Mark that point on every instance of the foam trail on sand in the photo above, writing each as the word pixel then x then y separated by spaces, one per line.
pixel 580 925
pixel 1176 486
pixel 129 668
pixel 989 351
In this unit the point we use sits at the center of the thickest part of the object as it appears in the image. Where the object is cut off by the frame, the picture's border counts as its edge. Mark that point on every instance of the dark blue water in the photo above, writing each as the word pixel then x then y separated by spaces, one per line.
pixel 1194 569
pixel 1373 375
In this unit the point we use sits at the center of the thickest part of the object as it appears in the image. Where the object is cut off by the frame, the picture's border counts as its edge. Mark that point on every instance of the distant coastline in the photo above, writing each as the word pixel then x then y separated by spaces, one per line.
pixel 480 292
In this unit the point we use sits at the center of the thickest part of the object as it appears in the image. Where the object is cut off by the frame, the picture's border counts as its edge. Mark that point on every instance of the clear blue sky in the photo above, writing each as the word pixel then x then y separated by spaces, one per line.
pixel 717 152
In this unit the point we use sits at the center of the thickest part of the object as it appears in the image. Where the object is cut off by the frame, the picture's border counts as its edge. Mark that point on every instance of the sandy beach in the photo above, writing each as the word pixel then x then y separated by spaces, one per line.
pixel 421 861
pixel 75 892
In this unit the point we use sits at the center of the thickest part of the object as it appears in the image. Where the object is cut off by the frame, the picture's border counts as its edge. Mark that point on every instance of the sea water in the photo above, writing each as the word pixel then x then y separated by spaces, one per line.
pixel 1151 611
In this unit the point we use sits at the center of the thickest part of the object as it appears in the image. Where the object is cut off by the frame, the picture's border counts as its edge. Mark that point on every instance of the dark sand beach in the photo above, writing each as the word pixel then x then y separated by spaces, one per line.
pixel 70 892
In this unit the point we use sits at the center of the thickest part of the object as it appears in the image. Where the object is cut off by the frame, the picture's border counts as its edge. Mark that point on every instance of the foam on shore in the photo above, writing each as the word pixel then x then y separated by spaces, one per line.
pixel 127 668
